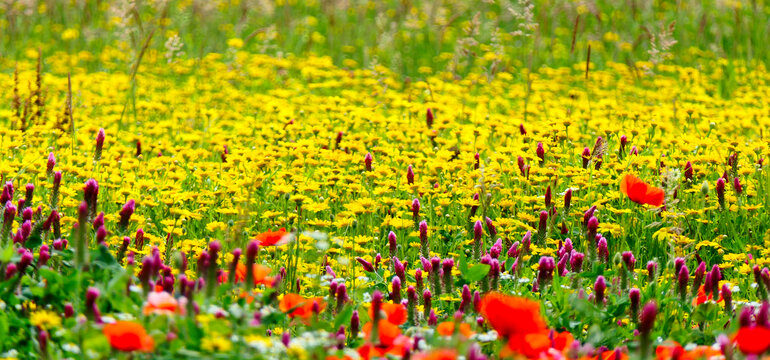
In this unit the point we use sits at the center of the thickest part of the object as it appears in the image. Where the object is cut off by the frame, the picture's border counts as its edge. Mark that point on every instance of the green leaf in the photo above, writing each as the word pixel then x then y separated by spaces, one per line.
pixel 343 317
pixel 7 254
pixel 463 265
pixel 103 258
pixel 33 241
pixel 477 272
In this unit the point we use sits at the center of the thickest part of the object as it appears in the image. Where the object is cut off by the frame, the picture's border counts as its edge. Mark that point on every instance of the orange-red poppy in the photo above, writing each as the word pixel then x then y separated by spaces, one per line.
pixel 703 297
pixel 297 306
pixel 511 315
pixel 394 313
pixel 640 192
pixel 273 238
pixel 753 340
pixel 161 303
pixel 128 336
pixel 439 354
pixel 447 328
pixel 391 342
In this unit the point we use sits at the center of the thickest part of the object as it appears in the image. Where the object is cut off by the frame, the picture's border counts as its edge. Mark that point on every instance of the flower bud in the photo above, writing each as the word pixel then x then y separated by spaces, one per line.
pixel 99 145
pixel 365 264
pixel 368 162
pixel 126 212
pixel 51 163
pixel 683 280
pixel 392 243
pixel 688 171
pixel 647 318
pixel 600 286
pixel 409 175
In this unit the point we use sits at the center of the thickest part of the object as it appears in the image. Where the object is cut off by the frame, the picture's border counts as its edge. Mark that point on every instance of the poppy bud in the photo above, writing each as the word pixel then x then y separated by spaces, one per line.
pixel 10 271
pixel 409 175
pixel 465 298
pixel 30 190
pixel 763 316
pixel 368 162
pixel 395 295
pixel 432 319
pixel 342 295
pixel 520 164
pixel 418 280
pixel 513 251
pixel 678 263
pixel 447 265
pixel 234 265
pixel 355 324
pixel 586 155
pixel 561 266
pixel 567 200
pixel 365 264
pixel 602 250
pixel 545 270
pixel 126 212
pixel 576 262
pixel 376 306
pixel 633 296
pixel 542 227
pixel 727 295
pixel 721 192
pixel 99 145
pixel 92 311
pixel 540 152
pixel 744 319
pixel 392 243
pixel 476 300
pixel 683 279
pixel 429 118
pixel 69 311
pixel 737 186
pixel 688 171
pixel 51 163
pixel 101 234
pixel 426 301
pixel 600 286
pixel 491 227
pixel 628 260
pixel 424 245
pixel 416 209
pixel 399 270
pixel 478 232
pixel 647 318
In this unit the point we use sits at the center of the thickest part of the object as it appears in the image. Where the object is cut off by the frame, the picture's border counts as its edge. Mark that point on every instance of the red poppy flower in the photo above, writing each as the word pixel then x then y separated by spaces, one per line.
pixel 640 192
pixel 273 238
pixel 439 354
pixel 703 297
pixel 753 340
pixel 447 328
pixel 128 336
pixel 394 313
pixel 511 315
pixel 297 306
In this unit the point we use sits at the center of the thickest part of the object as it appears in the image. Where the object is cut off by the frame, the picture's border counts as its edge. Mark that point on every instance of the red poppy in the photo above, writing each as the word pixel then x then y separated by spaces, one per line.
pixel 511 315
pixel 439 354
pixel 128 336
pixel 703 297
pixel 640 192
pixel 394 313
pixel 297 306
pixel 390 341
pixel 753 340
pixel 273 238
pixel 447 328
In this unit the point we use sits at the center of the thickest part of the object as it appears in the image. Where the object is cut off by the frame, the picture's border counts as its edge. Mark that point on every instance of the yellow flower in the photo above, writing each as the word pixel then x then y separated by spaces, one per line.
pixel 45 319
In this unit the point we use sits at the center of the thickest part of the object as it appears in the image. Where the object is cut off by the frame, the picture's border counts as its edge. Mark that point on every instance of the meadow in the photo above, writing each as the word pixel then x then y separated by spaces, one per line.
pixel 416 179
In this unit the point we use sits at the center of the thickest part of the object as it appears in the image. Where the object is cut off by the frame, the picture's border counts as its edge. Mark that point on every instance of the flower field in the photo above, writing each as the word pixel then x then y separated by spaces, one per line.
pixel 193 179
